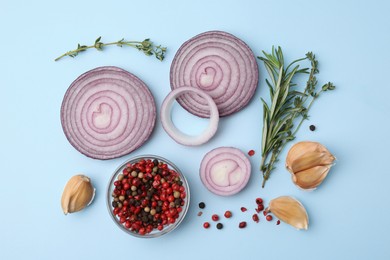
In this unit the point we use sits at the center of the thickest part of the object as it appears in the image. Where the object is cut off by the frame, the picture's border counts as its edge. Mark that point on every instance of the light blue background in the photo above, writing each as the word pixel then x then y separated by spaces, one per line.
pixel 349 213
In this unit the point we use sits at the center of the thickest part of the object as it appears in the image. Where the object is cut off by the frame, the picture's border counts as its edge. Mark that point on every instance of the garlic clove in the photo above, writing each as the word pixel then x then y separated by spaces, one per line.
pixel 290 211
pixel 310 160
pixel 309 164
pixel 78 193
pixel 311 178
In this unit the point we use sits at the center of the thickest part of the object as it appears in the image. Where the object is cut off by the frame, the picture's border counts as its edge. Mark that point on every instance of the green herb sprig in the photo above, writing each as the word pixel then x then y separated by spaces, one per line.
pixel 146 46
pixel 287 105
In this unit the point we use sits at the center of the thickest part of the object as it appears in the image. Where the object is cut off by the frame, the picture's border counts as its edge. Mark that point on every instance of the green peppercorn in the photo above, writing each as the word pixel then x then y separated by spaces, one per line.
pixel 147 209
pixel 120 177
pixel 176 194
pixel 134 173
pixel 152 212
pixel 133 188
pixel 140 175
pixel 121 198
pixel 155 169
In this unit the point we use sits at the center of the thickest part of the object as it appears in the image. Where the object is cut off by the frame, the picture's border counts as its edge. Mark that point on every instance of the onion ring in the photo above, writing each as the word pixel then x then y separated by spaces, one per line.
pixel 175 133
pixel 107 112
pixel 221 65
pixel 225 171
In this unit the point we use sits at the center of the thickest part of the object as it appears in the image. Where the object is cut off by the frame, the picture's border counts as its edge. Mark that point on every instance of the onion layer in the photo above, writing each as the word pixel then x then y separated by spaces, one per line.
pixel 221 65
pixel 175 133
pixel 107 112
pixel 225 171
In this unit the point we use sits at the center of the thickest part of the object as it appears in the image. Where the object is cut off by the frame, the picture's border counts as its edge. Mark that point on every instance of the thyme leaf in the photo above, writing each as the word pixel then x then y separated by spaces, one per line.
pixel 146 46
pixel 288 104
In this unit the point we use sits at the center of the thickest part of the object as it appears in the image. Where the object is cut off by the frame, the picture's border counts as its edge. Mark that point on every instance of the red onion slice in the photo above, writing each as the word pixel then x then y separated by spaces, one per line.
pixel 225 171
pixel 221 65
pixel 107 112
pixel 175 133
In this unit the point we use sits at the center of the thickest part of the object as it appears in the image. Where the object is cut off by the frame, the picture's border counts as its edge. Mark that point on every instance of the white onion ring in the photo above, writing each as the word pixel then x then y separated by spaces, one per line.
pixel 107 112
pixel 175 133
pixel 225 171
pixel 221 65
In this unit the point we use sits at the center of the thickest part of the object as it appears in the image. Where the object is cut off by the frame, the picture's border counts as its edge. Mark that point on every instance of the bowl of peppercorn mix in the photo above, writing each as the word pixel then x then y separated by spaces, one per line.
pixel 148 196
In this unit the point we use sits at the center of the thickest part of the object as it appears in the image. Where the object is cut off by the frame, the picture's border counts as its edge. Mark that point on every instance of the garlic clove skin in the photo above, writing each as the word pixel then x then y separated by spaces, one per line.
pixel 309 164
pixel 78 193
pixel 290 211
pixel 310 179
pixel 310 160
pixel 301 148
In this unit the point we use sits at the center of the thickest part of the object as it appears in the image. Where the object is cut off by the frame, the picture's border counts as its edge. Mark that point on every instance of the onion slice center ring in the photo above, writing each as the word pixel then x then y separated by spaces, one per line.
pixel 178 135
pixel 225 171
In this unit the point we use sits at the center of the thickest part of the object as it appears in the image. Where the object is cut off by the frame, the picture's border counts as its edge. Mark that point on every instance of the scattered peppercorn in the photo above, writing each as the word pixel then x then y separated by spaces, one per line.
pixel 215 217
pixel 228 214
pixel 278 222
pixel 200 213
pixel 206 225
pixel 219 226
pixel 312 127
pixel 242 224
pixel 260 207
pixel 259 201
pixel 243 209
pixel 251 153
pixel 255 218
pixel 202 205
pixel 268 217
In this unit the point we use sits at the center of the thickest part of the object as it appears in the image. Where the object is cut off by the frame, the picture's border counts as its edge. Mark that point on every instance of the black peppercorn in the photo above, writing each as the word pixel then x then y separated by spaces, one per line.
pixel 155 162
pixel 115 204
pixel 312 127
pixel 178 201
pixel 219 226
pixel 202 205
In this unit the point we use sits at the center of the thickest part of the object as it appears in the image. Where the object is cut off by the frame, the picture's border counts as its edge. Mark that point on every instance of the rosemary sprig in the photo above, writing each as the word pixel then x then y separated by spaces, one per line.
pixel 146 46
pixel 288 104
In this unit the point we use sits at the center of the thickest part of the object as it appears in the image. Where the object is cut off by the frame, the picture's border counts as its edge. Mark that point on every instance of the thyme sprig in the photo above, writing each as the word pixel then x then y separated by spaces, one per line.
pixel 146 46
pixel 287 105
